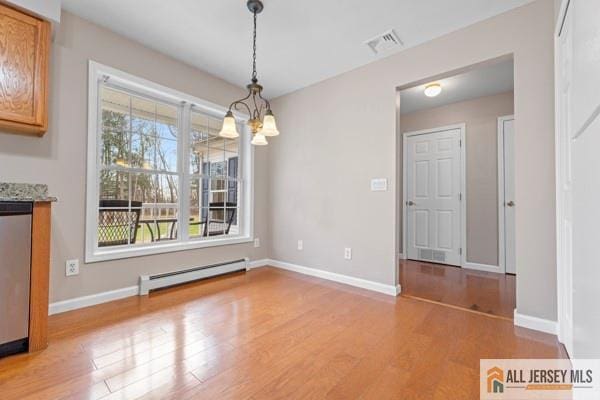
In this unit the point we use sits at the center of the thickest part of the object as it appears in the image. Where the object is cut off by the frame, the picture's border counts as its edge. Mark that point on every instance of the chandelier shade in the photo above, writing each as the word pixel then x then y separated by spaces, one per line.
pixel 261 119
pixel 229 129
pixel 259 140
pixel 269 127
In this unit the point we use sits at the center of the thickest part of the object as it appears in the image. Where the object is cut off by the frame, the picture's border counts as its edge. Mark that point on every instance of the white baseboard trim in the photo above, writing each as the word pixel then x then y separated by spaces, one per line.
pixel 345 279
pixel 483 267
pixel 258 263
pixel 104 297
pixel 91 300
pixel 535 323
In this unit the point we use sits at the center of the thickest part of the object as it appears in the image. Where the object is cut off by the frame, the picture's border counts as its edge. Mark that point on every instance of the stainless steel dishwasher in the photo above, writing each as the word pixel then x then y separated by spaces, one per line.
pixel 15 269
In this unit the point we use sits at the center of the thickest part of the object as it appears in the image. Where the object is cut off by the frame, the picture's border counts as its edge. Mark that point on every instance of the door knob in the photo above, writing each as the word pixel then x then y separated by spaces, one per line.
pixel 510 204
pixel 410 203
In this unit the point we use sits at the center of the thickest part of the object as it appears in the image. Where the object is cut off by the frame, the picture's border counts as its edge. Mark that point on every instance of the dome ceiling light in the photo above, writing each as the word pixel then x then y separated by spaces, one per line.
pixel 433 89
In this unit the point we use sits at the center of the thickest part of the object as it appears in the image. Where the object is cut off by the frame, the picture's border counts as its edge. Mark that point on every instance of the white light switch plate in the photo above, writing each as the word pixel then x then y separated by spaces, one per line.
pixel 257 242
pixel 378 185
pixel 300 245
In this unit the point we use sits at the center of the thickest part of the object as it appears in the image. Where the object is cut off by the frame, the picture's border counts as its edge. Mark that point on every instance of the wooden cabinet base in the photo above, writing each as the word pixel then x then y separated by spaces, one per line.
pixel 40 270
pixel 16 128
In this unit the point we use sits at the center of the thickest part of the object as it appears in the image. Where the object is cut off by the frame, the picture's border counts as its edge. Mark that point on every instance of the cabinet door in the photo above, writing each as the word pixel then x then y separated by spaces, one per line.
pixel 24 47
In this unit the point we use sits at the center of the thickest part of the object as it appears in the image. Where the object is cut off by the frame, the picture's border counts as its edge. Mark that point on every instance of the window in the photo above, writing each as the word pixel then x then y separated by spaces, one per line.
pixel 159 176
pixel 214 182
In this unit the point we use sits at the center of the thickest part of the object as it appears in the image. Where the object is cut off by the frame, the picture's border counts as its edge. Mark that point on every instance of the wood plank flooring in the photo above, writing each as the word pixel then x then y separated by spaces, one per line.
pixel 266 334
pixel 478 291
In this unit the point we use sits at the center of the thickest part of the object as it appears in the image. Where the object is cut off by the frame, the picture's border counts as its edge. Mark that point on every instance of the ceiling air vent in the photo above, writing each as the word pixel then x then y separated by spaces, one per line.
pixel 384 42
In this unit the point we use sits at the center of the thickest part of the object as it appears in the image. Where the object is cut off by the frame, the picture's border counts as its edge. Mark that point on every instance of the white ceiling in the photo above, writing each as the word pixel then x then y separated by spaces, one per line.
pixel 299 42
pixel 483 81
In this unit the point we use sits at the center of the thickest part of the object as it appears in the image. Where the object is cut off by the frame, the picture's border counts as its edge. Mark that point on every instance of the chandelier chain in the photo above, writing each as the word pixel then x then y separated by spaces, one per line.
pixel 254 78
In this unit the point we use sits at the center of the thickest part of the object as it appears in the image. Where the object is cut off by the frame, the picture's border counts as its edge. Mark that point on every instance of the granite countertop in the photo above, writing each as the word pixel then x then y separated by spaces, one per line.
pixel 26 192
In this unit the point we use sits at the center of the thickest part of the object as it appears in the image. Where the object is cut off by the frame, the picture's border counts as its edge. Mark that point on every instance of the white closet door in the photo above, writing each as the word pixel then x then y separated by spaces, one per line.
pixel 565 182
pixel 508 137
pixel 433 196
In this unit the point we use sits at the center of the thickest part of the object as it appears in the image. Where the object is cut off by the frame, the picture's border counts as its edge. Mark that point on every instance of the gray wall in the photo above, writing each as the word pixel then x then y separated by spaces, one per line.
pixel 481 118
pixel 59 158
pixel 340 133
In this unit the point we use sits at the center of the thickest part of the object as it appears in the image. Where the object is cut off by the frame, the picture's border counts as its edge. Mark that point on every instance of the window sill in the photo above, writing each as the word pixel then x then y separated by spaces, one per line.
pixel 99 255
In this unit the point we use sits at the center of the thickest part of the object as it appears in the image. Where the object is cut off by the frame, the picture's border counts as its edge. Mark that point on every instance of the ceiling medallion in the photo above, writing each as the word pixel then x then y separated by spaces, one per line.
pixel 262 121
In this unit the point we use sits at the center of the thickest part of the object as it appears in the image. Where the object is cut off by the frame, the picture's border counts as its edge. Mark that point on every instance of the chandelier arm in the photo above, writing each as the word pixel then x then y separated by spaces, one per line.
pixel 242 100
pixel 256 108
pixel 236 104
pixel 266 101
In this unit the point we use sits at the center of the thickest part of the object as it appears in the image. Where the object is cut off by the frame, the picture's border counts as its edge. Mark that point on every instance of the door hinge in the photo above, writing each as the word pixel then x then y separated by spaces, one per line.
pixel 460 251
pixel 459 142
pixel 460 196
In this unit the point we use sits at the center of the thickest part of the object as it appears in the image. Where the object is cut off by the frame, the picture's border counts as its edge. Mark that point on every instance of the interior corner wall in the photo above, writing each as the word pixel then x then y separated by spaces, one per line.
pixel 59 158
pixel 340 133
pixel 480 116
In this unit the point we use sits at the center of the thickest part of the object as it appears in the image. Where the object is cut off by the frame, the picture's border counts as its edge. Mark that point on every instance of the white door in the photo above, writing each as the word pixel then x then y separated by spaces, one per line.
pixel 578 179
pixel 507 203
pixel 564 180
pixel 433 196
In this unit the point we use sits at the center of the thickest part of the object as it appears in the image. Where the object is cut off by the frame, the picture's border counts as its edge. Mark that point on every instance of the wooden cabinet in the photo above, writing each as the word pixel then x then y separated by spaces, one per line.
pixel 40 272
pixel 24 53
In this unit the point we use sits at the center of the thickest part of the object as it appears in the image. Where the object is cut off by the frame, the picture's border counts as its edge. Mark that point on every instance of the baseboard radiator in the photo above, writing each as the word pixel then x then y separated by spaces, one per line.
pixel 152 282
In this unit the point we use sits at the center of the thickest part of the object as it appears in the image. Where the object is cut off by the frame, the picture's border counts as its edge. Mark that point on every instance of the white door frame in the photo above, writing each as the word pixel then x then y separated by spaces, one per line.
pixel 564 292
pixel 501 183
pixel 463 185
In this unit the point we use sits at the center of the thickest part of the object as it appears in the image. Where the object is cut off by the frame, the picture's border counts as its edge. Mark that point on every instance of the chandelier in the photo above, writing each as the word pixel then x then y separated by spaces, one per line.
pixel 262 121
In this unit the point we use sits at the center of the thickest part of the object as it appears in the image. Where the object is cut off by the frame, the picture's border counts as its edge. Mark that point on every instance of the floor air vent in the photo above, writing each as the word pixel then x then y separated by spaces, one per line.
pixel 432 255
pixel 152 282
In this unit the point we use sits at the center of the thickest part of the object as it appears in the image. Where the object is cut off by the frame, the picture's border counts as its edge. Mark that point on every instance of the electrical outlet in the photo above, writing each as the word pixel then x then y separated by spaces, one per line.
pixel 300 245
pixel 72 267
pixel 257 242
pixel 348 253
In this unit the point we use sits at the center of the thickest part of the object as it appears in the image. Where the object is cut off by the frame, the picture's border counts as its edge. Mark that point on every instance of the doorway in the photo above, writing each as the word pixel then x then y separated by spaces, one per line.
pixel 457 190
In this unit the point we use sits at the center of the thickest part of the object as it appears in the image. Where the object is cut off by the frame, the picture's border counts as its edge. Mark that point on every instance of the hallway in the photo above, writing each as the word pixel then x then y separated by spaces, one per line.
pixel 479 291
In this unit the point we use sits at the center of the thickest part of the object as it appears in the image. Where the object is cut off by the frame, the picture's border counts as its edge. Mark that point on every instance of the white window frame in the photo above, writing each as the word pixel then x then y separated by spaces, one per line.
pixel 93 253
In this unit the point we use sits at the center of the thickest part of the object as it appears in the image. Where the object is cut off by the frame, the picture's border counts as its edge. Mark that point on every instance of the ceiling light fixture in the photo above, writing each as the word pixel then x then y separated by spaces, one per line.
pixel 433 89
pixel 261 126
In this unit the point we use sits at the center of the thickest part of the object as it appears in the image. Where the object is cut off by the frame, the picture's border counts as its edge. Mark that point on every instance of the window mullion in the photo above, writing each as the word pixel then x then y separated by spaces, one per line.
pixel 183 153
pixel 130 163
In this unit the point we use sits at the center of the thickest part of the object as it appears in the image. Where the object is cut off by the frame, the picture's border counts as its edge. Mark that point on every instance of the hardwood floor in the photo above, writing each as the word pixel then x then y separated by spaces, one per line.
pixel 479 291
pixel 266 334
